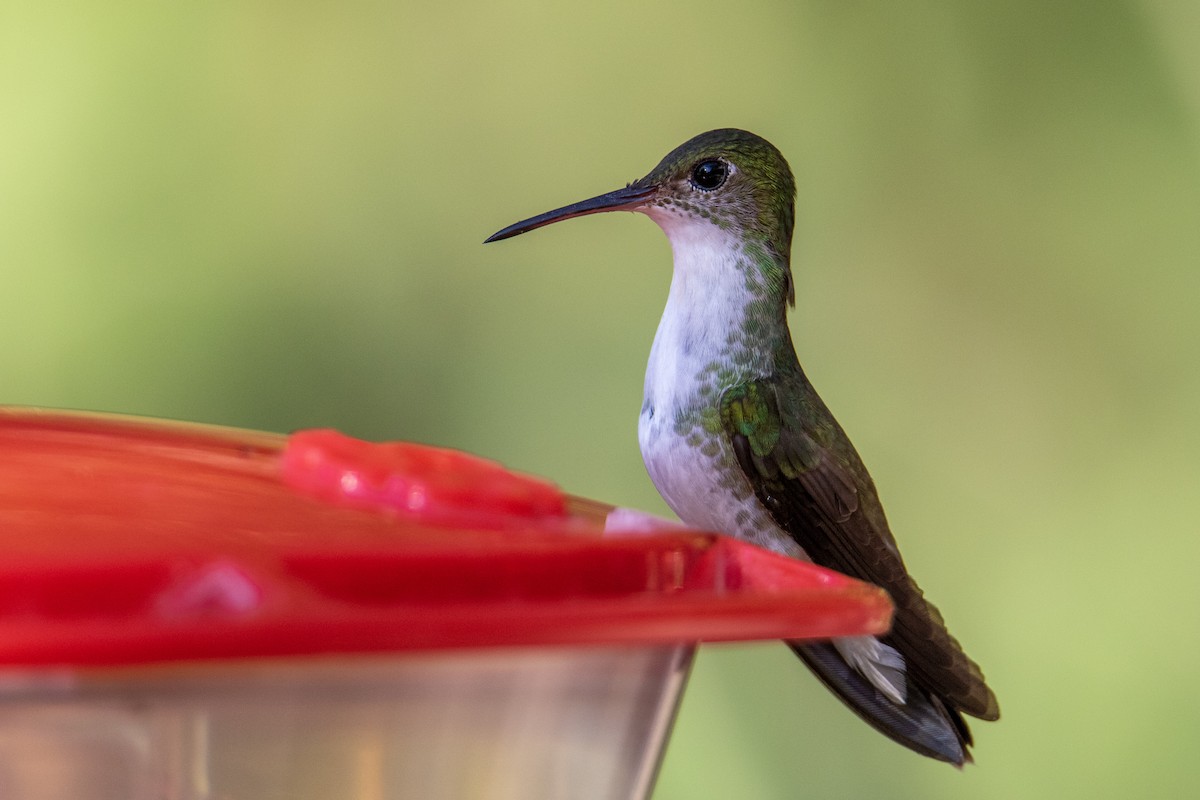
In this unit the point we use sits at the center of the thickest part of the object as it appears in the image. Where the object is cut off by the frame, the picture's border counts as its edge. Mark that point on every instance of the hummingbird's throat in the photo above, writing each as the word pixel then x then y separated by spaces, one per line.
pixel 723 323
pixel 729 293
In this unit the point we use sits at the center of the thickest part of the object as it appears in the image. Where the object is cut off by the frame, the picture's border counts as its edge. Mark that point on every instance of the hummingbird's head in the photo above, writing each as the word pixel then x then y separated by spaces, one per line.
pixel 727 178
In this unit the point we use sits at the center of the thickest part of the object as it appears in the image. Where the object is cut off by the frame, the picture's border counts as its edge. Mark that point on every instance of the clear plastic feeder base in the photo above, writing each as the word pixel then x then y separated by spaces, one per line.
pixel 587 723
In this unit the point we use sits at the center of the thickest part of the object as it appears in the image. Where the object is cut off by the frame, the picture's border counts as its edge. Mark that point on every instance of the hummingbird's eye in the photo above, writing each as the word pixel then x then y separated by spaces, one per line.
pixel 709 175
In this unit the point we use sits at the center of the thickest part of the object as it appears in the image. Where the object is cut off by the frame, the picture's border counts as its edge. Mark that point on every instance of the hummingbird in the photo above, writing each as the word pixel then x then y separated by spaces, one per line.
pixel 736 439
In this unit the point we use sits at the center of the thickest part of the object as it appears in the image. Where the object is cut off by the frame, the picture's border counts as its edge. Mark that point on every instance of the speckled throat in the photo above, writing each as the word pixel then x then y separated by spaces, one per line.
pixel 724 323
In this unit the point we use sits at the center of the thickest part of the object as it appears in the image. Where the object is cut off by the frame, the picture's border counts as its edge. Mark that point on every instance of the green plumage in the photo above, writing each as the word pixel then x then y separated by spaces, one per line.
pixel 806 473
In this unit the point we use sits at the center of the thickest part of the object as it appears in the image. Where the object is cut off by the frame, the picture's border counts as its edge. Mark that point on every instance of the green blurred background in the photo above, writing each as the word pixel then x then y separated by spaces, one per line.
pixel 270 215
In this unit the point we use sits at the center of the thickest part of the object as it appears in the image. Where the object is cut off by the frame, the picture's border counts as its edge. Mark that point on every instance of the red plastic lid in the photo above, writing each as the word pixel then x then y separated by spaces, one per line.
pixel 125 541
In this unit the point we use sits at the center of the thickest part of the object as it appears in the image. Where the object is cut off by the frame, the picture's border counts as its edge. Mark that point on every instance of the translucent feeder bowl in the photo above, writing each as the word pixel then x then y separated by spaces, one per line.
pixel 199 613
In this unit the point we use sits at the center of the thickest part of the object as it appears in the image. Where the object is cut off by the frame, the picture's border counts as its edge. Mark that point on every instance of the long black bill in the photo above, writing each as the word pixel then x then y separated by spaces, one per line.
pixel 630 197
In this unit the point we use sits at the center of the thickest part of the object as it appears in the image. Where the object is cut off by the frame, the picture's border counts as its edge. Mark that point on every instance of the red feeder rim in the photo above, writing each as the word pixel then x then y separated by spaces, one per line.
pixel 128 541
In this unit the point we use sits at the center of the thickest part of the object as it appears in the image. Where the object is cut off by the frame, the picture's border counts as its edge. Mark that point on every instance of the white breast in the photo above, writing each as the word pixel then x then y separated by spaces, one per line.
pixel 694 469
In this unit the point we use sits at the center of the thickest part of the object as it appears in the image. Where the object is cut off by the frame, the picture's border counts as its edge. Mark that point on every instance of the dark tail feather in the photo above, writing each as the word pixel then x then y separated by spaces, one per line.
pixel 924 724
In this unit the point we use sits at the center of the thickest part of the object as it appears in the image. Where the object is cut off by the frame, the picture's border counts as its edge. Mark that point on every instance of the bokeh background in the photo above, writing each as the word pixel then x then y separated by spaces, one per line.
pixel 270 215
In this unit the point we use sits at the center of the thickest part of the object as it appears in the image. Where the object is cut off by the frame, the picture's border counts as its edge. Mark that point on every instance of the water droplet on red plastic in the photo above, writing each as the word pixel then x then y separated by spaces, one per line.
pixel 219 588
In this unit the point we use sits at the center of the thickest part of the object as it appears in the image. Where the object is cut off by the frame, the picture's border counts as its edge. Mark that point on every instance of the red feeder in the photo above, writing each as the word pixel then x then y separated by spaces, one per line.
pixel 198 612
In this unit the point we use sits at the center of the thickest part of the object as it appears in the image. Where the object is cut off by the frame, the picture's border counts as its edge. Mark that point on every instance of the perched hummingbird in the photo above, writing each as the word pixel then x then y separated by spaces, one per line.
pixel 736 439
